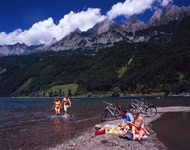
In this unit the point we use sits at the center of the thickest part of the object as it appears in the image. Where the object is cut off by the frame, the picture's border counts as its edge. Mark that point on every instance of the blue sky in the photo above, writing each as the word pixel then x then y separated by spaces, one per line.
pixel 38 21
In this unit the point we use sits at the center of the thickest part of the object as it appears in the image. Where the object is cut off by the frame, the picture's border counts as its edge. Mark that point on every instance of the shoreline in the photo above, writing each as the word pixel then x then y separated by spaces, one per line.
pixel 88 140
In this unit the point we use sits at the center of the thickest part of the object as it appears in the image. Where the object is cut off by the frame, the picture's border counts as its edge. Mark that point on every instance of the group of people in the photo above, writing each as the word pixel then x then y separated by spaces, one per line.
pixel 134 122
pixel 57 105
pixel 131 122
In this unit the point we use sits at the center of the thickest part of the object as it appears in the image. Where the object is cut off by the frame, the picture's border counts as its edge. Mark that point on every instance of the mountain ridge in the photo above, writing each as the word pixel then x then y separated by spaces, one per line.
pixel 107 33
pixel 134 68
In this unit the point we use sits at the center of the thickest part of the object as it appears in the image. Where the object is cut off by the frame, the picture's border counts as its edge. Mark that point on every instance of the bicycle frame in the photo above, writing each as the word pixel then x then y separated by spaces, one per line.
pixel 140 105
pixel 112 109
pixel 144 106
pixel 135 103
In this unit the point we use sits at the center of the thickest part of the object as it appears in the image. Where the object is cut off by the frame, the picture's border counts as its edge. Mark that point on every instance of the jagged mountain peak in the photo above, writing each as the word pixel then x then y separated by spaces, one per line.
pixel 157 14
pixel 133 24
pixel 106 22
pixel 107 33
pixel 77 30
pixel 15 49
pixel 132 19
pixel 155 19
pixel 17 45
pixel 168 13
pixel 169 8
pixel 102 27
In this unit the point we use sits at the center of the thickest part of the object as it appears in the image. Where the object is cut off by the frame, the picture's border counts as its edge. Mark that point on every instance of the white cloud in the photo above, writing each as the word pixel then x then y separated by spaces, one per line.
pixel 129 7
pixel 39 33
pixel 44 31
pixel 165 2
pixel 83 20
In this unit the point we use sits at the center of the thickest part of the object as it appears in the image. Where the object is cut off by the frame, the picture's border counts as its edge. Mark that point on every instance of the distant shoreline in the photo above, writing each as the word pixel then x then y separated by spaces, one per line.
pixel 89 141
pixel 130 96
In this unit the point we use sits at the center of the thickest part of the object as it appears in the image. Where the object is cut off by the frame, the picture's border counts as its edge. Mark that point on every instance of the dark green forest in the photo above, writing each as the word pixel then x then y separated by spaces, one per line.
pixel 139 68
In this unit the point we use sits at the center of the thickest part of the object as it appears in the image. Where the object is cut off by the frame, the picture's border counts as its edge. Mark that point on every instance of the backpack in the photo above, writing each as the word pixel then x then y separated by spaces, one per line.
pixel 100 131
pixel 119 106
pixel 128 136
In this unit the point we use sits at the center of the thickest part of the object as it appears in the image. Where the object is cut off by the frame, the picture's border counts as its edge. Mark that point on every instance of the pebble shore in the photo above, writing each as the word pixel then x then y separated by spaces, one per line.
pixel 90 141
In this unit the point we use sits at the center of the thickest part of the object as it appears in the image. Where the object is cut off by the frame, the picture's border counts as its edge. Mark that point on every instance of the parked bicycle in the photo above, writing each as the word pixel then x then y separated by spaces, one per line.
pixel 144 106
pixel 111 111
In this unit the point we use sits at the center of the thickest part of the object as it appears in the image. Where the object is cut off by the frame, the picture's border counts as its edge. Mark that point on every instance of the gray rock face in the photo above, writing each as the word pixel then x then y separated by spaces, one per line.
pixel 97 37
pixel 102 27
pixel 133 24
pixel 16 49
pixel 167 14
pixel 106 33
pixel 155 19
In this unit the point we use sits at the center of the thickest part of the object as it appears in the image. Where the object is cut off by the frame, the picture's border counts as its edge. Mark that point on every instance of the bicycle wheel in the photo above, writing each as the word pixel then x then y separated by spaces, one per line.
pixel 151 111
pixel 104 115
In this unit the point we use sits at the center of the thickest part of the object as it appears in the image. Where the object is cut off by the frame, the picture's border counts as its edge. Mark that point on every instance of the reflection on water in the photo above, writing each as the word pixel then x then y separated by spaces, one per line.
pixel 62 127
pixel 173 130
pixel 57 125
pixel 28 123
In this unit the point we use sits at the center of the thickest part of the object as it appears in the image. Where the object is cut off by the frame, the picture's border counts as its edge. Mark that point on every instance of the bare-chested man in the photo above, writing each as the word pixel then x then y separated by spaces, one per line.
pixel 66 102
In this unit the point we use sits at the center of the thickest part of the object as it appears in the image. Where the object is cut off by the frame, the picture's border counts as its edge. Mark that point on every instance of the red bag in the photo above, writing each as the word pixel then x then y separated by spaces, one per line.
pixel 119 106
pixel 100 131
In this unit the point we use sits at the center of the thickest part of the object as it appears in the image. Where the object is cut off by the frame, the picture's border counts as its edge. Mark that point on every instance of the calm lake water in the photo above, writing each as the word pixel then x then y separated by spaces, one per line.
pixel 173 130
pixel 29 123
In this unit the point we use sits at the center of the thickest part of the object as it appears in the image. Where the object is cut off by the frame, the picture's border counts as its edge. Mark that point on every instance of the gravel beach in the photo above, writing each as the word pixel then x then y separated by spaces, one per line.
pixel 89 141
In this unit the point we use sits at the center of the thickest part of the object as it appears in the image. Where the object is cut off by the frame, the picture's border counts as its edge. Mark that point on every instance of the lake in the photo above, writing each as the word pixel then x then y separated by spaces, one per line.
pixel 29 123
pixel 173 130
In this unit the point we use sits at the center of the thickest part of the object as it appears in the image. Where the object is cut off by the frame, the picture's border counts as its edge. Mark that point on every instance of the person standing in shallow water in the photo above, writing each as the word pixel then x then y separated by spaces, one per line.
pixel 66 102
pixel 57 106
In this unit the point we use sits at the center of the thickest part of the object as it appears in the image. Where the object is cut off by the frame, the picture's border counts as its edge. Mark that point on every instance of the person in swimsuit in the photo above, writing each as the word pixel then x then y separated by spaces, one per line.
pixel 137 126
pixel 57 106
pixel 66 102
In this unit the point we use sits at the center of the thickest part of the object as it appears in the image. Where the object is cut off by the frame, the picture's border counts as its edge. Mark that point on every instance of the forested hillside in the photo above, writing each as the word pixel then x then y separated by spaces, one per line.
pixel 132 67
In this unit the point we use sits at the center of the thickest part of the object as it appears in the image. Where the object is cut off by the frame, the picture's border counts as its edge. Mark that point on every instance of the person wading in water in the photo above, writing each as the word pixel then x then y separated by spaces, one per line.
pixel 57 106
pixel 66 102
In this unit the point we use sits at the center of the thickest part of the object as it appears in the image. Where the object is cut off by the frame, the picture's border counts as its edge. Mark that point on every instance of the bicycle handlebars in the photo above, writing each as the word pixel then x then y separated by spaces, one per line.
pixel 108 103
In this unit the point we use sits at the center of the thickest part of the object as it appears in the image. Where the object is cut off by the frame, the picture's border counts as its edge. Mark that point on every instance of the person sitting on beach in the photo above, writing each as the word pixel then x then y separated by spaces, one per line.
pixel 126 118
pixel 57 106
pixel 137 126
pixel 66 102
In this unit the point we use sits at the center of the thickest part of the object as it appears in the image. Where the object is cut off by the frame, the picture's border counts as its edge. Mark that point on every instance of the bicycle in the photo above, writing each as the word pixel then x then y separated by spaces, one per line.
pixel 144 106
pixel 110 111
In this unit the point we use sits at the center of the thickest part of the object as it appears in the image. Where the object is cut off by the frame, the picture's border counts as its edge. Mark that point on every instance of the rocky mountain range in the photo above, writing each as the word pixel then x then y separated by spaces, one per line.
pixel 107 33
pixel 16 49
pixel 167 14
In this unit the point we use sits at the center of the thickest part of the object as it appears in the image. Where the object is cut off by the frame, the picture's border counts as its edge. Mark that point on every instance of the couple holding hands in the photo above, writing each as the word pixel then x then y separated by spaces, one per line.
pixel 57 105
